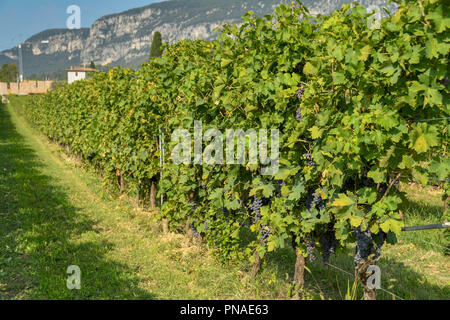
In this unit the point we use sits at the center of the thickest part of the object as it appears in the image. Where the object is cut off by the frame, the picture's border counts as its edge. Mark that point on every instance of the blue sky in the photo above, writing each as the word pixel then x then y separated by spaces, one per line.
pixel 20 19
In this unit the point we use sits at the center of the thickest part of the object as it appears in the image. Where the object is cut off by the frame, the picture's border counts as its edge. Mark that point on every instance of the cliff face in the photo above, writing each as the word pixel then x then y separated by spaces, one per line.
pixel 63 50
pixel 125 38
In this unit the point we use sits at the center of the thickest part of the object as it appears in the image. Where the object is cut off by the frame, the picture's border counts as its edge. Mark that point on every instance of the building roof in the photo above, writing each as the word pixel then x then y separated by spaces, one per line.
pixel 81 69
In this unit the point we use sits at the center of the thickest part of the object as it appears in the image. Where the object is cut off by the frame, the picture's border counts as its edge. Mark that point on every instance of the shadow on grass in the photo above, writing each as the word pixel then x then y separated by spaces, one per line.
pixel 396 276
pixel 39 228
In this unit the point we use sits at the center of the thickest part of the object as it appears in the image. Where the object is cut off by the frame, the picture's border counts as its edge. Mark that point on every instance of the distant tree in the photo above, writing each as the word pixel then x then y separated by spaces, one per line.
pixel 8 72
pixel 13 72
pixel 155 50
pixel 4 72
pixel 92 65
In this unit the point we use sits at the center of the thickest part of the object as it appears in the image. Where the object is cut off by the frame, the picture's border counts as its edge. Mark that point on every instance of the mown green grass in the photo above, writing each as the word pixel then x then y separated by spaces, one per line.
pixel 55 213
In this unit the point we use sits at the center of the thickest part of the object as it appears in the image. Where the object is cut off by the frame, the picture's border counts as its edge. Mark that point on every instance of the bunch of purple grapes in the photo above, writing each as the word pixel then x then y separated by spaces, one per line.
pixel 383 188
pixel 256 208
pixel 395 183
pixel 445 82
pixel 264 233
pixel 194 230
pixel 299 115
pixel 365 181
pixel 363 245
pixel 91 157
pixel 300 92
pixel 382 236
pixel 280 184
pixel 310 160
pixel 310 249
pixel 329 243
pixel 315 201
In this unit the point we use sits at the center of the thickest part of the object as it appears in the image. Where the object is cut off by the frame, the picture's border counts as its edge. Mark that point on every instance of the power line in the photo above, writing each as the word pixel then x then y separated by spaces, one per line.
pixel 387 291
pixel 342 270
pixel 430 243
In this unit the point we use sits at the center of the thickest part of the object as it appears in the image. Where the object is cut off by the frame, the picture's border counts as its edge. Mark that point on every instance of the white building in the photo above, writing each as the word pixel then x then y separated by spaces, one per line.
pixel 75 74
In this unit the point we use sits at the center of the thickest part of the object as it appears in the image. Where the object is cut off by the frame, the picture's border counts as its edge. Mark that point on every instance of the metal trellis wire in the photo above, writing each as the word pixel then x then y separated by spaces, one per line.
pixel 353 276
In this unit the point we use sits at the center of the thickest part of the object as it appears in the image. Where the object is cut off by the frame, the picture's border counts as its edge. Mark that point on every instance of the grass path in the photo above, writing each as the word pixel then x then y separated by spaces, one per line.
pixel 54 214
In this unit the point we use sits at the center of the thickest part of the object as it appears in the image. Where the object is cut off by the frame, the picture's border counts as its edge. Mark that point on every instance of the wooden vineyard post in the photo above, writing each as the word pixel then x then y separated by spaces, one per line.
pixel 256 265
pixel 119 174
pixel 153 194
pixel 188 231
pixel 362 275
pixel 299 275
pixel 122 183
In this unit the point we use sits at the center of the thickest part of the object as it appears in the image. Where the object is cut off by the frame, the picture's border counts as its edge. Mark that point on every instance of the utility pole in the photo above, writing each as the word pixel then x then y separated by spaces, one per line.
pixel 20 63
pixel 19 49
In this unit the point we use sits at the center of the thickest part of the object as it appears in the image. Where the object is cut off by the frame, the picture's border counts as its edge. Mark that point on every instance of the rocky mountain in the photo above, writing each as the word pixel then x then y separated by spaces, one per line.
pixel 125 38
